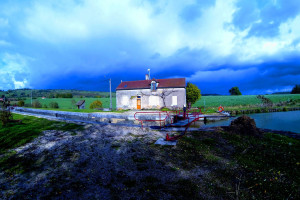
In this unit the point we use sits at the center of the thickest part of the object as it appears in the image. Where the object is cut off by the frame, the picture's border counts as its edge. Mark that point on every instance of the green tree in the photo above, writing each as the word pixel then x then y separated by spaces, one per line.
pixel 53 105
pixel 21 103
pixel 36 104
pixel 193 93
pixel 296 90
pixel 235 91
pixel 96 104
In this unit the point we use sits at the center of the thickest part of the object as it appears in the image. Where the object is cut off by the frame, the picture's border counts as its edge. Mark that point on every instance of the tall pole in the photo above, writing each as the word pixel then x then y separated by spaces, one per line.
pixel 110 94
pixel 31 97
pixel 149 74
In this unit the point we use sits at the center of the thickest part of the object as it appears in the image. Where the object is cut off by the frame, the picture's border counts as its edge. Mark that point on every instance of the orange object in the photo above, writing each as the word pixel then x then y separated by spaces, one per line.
pixel 138 104
pixel 220 109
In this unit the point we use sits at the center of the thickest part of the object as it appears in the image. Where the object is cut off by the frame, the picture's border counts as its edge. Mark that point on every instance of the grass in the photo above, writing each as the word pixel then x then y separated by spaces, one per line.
pixel 211 103
pixel 240 166
pixel 66 103
pixel 15 135
pixel 81 110
pixel 243 100
pixel 270 164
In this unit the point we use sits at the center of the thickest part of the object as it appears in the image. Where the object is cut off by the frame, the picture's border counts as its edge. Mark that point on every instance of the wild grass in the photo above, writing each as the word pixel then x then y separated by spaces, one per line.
pixel 241 167
pixel 14 135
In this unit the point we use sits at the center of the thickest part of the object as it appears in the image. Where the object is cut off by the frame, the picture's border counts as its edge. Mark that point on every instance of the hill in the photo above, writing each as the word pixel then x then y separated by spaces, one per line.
pixel 23 93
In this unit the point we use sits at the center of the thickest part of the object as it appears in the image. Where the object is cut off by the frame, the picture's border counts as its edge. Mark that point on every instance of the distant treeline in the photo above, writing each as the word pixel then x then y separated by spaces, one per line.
pixel 53 93
pixel 62 95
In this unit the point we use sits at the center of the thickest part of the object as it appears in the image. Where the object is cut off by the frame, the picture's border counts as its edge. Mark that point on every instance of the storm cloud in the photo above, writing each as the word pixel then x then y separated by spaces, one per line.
pixel 79 44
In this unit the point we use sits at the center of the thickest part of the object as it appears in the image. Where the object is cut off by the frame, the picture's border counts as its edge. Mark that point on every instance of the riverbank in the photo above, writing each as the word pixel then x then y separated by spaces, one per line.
pixel 262 110
pixel 109 162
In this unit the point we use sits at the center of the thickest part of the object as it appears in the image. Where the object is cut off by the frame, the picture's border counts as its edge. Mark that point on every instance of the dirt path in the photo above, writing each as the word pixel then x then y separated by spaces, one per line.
pixel 100 162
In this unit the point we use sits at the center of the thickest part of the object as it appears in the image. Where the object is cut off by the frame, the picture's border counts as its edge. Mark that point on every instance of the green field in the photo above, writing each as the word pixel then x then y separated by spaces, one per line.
pixel 66 103
pixel 207 101
pixel 243 100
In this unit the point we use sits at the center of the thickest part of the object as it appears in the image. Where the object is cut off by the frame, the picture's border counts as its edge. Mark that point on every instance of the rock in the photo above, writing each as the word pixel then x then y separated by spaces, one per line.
pixel 244 125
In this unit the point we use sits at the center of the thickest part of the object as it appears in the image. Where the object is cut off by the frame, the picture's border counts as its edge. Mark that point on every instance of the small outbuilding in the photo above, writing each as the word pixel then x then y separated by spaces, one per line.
pixel 151 94
pixel 81 104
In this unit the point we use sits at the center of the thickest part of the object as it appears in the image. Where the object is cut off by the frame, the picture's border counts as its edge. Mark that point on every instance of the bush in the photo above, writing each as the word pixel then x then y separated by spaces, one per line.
pixel 36 104
pixel 53 105
pixel 165 109
pixel 96 104
pixel 64 95
pixel 45 106
pixel 21 103
pixel 27 105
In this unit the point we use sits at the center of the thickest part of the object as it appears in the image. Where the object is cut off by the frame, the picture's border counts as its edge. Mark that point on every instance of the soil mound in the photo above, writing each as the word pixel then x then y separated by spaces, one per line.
pixel 244 125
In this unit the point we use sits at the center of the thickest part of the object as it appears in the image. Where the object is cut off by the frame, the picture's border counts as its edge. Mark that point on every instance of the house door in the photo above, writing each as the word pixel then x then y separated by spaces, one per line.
pixel 138 103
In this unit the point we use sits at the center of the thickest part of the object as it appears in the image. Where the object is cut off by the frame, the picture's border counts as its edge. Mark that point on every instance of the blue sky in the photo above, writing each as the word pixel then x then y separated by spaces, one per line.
pixel 215 44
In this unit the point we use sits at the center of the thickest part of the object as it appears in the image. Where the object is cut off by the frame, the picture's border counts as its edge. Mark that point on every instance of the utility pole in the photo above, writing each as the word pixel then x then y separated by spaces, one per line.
pixel 149 74
pixel 31 97
pixel 110 94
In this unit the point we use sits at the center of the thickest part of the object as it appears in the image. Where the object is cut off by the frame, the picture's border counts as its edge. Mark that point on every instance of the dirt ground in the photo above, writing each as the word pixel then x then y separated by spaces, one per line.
pixel 115 162
pixel 99 162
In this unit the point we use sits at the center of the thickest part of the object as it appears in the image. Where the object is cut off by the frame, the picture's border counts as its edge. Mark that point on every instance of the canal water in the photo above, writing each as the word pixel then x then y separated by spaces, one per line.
pixel 284 121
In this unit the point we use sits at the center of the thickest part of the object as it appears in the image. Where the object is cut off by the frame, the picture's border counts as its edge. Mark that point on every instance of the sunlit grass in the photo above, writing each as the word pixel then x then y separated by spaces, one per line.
pixel 14 135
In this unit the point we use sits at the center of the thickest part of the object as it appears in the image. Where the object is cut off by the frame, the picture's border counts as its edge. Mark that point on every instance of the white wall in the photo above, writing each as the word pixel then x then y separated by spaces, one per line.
pixel 126 99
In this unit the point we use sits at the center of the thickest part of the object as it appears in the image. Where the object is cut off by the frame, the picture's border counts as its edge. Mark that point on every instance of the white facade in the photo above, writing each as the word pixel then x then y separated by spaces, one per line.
pixel 149 99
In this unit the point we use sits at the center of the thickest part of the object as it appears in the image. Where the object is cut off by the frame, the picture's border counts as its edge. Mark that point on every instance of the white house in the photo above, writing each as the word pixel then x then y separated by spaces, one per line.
pixel 151 94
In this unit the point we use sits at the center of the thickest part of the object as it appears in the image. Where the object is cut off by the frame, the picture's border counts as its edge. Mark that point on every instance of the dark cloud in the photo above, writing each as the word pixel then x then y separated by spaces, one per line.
pixel 73 45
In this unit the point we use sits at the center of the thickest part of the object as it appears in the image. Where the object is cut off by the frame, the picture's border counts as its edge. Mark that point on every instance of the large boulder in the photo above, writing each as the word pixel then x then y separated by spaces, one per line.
pixel 244 125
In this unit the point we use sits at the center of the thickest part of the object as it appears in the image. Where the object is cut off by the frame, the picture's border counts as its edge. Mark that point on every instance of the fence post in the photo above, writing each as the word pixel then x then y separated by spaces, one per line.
pixel 159 119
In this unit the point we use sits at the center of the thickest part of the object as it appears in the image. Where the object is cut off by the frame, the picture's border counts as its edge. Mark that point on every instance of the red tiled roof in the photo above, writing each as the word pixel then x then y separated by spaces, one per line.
pixel 145 84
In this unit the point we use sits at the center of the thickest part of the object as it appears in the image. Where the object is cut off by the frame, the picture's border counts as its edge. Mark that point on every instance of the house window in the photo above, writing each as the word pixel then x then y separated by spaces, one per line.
pixel 125 100
pixel 153 101
pixel 174 100
pixel 153 86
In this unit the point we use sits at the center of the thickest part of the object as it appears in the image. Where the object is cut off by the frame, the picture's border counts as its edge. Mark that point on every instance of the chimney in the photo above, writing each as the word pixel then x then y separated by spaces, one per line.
pixel 147 77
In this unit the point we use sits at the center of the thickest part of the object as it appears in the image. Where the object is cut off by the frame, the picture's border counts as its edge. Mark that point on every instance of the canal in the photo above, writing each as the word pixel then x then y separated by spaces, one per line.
pixel 284 121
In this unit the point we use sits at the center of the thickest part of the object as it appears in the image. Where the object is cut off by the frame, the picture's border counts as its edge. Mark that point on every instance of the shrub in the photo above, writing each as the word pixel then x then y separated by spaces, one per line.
pixel 53 105
pixel 165 109
pixel 21 103
pixel 284 109
pixel 36 104
pixel 64 95
pixel 96 104
pixel 45 106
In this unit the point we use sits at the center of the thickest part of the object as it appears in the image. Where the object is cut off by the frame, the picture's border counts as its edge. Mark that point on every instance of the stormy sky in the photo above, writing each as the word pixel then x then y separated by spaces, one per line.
pixel 215 44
